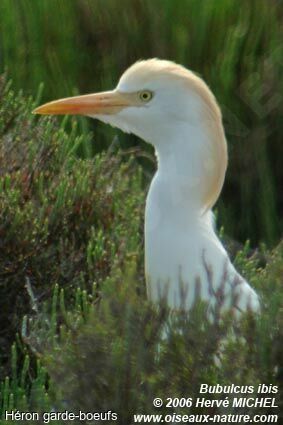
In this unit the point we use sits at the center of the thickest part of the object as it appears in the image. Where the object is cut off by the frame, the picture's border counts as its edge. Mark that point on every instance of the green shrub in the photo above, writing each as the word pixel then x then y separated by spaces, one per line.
pixel 62 219
pixel 121 353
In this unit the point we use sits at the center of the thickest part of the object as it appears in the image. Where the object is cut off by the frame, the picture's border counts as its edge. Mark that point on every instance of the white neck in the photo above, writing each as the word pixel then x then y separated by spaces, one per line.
pixel 184 168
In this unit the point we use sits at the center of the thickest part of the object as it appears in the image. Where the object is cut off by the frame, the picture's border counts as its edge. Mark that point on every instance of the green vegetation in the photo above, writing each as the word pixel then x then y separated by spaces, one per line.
pixel 76 330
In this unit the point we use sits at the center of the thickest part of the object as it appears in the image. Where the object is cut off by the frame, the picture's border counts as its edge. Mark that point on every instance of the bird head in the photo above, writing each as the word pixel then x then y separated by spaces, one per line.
pixel 155 99
pixel 151 94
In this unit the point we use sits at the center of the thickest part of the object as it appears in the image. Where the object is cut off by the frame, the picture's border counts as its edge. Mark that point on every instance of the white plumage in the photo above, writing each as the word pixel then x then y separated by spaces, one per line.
pixel 173 109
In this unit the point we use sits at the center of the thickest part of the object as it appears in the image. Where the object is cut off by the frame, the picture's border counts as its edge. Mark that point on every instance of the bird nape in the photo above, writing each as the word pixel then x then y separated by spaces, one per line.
pixel 170 107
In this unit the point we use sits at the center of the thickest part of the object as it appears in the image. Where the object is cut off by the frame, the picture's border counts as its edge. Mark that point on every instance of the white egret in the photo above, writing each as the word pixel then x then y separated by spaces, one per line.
pixel 173 109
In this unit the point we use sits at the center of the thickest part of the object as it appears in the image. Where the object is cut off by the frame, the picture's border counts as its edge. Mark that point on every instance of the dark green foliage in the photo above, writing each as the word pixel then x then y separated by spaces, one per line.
pixel 23 391
pixel 121 353
pixel 62 220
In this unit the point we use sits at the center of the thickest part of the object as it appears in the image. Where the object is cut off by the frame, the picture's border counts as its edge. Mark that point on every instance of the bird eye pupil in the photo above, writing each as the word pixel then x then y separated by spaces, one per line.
pixel 146 96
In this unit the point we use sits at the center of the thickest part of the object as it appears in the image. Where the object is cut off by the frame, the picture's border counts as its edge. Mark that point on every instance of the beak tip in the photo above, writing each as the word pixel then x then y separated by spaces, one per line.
pixel 39 111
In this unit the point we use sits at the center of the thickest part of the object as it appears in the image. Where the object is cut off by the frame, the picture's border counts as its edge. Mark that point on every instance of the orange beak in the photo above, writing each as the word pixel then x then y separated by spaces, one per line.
pixel 107 103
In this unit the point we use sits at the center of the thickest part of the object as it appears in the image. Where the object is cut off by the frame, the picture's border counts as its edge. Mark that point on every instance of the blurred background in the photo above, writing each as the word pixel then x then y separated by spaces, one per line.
pixel 80 46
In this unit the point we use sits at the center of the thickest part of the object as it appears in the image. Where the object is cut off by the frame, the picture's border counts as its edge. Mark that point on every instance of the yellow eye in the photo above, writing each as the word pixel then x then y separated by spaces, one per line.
pixel 145 95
